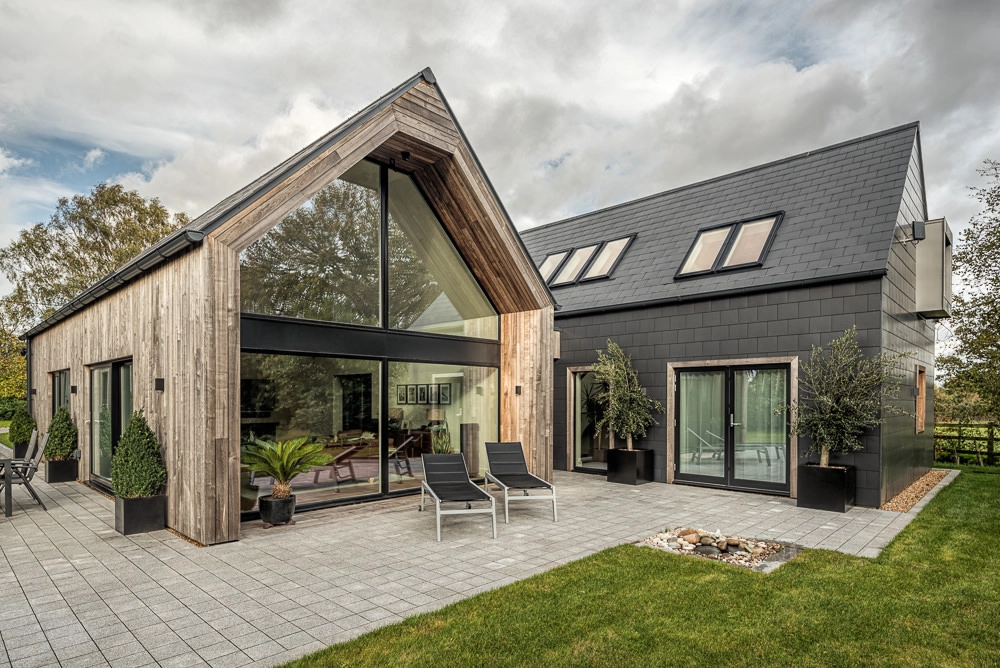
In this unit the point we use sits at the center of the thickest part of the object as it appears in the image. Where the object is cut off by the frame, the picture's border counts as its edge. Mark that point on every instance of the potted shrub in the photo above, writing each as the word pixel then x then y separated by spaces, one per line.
pixel 440 439
pixel 282 461
pixel 842 394
pixel 627 412
pixel 21 426
pixel 138 476
pixel 60 463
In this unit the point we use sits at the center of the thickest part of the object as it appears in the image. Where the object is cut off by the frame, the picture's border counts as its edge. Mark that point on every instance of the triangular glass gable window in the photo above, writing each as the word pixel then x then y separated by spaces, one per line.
pixel 430 287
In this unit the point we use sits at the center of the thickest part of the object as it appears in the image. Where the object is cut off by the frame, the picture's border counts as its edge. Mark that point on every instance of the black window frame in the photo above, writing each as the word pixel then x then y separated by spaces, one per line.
pixel 567 251
pixel 597 246
pixel 727 246
pixel 56 375
pixel 598 249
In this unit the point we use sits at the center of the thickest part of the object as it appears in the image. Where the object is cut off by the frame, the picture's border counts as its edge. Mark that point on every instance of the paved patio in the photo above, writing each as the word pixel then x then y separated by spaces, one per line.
pixel 75 593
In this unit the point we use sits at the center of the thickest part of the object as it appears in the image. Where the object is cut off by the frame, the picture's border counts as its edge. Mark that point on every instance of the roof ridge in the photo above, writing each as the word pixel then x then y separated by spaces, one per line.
pixel 746 170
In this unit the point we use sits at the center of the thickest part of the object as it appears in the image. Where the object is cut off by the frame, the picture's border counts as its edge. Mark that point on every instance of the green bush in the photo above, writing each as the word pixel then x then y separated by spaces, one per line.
pixel 9 406
pixel 21 426
pixel 137 468
pixel 62 436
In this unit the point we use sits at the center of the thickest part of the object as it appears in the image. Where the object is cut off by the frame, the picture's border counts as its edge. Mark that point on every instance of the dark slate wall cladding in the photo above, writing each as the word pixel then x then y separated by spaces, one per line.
pixel 907 455
pixel 778 323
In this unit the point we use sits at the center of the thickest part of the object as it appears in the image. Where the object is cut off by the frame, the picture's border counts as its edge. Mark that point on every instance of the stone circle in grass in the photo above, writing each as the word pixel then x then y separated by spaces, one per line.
pixel 736 550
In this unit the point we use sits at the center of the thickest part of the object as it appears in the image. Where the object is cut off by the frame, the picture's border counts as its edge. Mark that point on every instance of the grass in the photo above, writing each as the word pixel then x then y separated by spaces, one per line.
pixel 5 437
pixel 932 598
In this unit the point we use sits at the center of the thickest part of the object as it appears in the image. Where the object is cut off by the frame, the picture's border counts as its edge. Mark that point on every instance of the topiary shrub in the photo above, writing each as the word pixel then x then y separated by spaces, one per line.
pixel 137 468
pixel 21 426
pixel 62 437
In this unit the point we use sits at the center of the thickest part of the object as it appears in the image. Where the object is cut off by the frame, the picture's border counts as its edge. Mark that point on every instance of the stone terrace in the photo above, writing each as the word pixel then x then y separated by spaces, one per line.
pixel 75 593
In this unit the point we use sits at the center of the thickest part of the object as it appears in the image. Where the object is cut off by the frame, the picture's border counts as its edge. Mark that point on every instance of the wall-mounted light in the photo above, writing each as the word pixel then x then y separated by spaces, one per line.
pixel 406 155
pixel 918 232
pixel 72 389
pixel 34 391
pixel 158 384
pixel 517 389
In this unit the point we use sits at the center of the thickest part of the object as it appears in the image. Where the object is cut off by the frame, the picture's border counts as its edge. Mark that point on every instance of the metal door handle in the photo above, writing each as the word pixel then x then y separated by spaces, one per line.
pixel 734 424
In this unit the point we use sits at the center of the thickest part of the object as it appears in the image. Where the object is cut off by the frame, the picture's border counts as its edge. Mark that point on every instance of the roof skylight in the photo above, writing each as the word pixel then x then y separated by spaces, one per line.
pixel 585 263
pixel 731 246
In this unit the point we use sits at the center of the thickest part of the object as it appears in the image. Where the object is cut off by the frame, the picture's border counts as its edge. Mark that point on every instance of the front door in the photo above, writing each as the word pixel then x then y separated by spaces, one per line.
pixel 731 428
pixel 110 411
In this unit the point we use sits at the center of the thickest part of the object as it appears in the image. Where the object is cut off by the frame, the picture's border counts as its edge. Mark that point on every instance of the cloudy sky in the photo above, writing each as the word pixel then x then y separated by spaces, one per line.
pixel 570 105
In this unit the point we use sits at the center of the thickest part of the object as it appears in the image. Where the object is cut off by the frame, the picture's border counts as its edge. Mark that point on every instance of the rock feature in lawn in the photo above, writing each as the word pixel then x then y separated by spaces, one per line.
pixel 735 550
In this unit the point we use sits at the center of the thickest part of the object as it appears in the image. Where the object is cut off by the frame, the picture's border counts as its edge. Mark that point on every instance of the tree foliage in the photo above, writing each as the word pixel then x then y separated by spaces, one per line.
pixel 87 237
pixel 62 436
pixel 137 468
pixel 974 360
pixel 13 365
pixel 842 394
pixel 628 411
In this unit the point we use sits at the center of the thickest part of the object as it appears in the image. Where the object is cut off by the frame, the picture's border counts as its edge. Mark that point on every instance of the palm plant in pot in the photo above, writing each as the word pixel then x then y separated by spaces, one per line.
pixel 627 412
pixel 842 393
pixel 282 461
pixel 60 464
pixel 138 476
pixel 21 426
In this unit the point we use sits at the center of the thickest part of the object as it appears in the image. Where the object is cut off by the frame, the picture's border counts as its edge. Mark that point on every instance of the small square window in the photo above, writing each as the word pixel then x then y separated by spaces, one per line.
pixel 550 264
pixel 607 258
pixel 705 250
pixel 748 245
pixel 571 270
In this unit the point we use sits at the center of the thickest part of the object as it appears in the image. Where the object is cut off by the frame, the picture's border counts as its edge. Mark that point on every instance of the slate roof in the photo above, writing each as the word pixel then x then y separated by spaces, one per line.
pixel 841 205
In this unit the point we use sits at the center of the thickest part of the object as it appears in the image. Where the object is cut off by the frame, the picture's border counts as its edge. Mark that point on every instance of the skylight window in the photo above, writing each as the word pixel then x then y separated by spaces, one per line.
pixel 607 259
pixel 571 270
pixel 551 263
pixel 731 246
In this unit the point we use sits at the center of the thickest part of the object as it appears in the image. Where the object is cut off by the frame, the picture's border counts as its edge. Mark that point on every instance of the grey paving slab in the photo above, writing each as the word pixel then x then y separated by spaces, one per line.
pixel 79 594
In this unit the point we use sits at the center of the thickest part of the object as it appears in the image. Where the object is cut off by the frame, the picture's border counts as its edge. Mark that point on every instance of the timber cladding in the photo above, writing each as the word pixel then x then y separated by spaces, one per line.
pixel 181 320
pixel 173 325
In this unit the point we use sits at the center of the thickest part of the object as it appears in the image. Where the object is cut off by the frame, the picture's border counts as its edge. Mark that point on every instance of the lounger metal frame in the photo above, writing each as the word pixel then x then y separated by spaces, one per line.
pixel 514 449
pixel 430 462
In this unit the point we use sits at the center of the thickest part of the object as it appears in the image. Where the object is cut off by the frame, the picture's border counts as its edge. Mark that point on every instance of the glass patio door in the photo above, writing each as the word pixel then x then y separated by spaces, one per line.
pixel 110 412
pixel 730 429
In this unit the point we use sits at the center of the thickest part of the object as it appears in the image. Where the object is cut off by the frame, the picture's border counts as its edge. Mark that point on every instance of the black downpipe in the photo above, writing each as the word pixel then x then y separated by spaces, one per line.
pixel 384 310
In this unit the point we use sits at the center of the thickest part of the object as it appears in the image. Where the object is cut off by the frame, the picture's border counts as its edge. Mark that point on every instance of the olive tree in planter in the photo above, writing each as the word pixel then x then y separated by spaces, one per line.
pixel 21 426
pixel 282 461
pixel 60 464
pixel 841 395
pixel 627 412
pixel 138 476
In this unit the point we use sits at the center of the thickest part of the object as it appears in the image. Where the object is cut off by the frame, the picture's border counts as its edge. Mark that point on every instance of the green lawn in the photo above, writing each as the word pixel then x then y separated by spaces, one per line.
pixel 4 438
pixel 932 598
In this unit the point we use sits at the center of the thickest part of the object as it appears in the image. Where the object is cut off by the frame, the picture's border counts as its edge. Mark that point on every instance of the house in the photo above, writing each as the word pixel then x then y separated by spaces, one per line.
pixel 719 290
pixel 370 293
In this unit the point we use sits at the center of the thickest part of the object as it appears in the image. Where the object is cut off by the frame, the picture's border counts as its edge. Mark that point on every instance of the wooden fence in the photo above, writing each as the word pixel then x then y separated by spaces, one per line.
pixel 952 443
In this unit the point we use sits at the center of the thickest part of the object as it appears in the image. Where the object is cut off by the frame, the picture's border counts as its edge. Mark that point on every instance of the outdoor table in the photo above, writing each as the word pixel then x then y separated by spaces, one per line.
pixel 7 475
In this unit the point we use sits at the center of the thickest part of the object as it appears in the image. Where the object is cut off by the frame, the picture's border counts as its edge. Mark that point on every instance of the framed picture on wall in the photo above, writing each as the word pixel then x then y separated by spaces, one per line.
pixel 444 393
pixel 411 394
pixel 421 394
pixel 401 395
pixel 432 394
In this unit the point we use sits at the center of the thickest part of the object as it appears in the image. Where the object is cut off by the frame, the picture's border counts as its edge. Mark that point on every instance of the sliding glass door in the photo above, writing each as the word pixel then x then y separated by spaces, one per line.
pixel 731 428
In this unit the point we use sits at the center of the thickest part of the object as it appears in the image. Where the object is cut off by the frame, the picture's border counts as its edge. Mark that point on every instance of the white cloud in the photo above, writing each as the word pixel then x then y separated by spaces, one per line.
pixel 8 162
pixel 94 157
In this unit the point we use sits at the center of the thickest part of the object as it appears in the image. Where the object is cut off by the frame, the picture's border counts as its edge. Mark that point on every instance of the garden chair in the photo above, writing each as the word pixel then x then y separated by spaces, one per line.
pixel 447 481
pixel 703 445
pixel 399 458
pixel 509 471
pixel 23 471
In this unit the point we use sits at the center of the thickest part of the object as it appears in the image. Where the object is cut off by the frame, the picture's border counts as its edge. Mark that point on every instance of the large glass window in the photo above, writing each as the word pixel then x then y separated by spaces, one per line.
pixel 60 390
pixel 439 408
pixel 329 400
pixel 111 403
pixel 322 262
pixel 430 287
pixel 733 246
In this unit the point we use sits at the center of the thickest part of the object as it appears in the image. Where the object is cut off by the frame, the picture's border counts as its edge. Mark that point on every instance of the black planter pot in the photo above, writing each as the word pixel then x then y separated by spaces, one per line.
pixel 826 487
pixel 60 471
pixel 630 467
pixel 140 515
pixel 20 451
pixel 276 511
